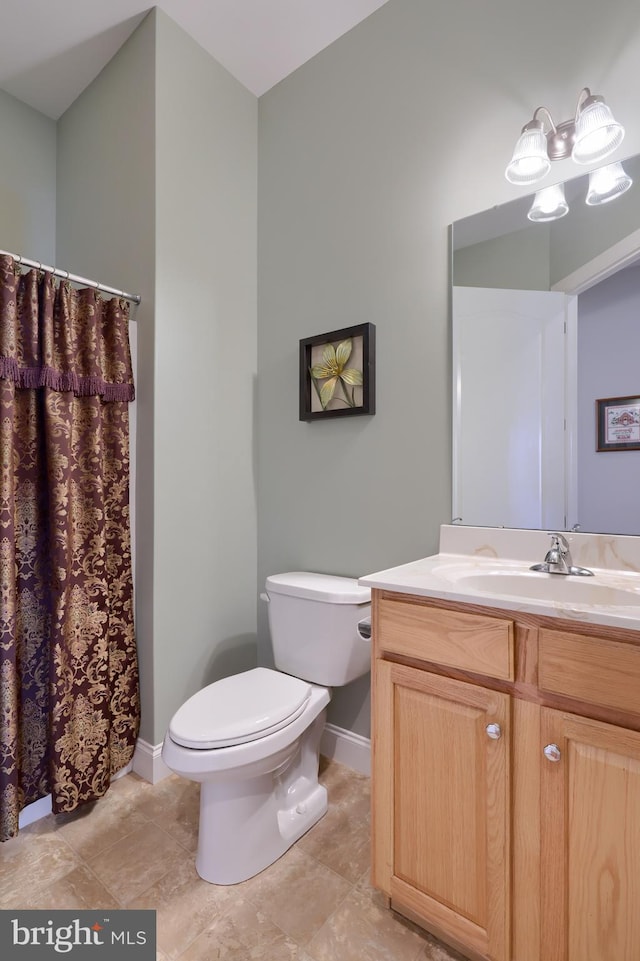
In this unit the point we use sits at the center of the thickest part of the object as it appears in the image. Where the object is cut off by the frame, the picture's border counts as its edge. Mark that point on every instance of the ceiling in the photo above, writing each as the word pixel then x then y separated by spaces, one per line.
pixel 50 51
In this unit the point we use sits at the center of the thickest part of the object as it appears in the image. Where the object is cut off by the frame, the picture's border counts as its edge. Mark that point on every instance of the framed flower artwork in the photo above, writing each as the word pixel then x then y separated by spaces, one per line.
pixel 337 373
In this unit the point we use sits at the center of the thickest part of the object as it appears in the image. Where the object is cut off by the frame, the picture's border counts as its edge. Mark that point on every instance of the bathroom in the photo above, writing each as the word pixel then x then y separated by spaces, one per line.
pixel 324 203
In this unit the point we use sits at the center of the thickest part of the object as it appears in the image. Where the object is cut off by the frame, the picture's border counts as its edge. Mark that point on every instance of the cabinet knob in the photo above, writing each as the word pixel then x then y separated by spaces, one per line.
pixel 494 731
pixel 552 752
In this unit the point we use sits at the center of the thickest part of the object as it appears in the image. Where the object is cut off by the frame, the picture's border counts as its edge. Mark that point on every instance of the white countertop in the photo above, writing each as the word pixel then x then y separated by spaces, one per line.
pixel 468 574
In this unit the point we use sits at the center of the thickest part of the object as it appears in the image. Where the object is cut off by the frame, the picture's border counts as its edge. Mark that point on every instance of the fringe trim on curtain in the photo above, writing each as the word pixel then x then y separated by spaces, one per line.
pixel 31 377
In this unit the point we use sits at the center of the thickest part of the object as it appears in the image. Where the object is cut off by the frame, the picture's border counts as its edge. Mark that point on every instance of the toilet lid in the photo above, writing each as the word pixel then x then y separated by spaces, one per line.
pixel 240 708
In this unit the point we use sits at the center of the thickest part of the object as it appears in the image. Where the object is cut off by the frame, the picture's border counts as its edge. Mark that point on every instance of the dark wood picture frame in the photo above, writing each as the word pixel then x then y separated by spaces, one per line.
pixel 346 401
pixel 618 423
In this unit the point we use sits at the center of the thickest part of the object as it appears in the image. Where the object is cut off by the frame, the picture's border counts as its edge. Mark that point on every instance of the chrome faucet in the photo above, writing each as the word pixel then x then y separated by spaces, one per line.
pixel 558 559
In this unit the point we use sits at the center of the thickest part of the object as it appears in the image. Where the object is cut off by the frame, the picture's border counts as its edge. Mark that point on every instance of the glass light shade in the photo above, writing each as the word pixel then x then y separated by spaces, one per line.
pixel 597 133
pixel 530 162
pixel 607 183
pixel 549 204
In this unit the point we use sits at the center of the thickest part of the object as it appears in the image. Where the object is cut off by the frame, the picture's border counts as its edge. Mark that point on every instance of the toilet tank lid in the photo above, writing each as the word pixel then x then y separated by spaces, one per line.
pixel 329 588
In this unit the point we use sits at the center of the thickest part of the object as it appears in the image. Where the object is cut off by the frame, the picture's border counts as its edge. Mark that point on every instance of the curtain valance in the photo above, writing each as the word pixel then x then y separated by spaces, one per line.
pixel 56 336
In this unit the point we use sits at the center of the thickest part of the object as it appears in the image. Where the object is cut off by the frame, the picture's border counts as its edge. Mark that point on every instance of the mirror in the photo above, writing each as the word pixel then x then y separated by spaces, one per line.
pixel 546 322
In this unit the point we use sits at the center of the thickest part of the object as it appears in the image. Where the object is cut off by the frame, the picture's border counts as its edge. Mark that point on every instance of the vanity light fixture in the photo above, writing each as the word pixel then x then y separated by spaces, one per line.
pixel 591 135
pixel 607 183
pixel 549 204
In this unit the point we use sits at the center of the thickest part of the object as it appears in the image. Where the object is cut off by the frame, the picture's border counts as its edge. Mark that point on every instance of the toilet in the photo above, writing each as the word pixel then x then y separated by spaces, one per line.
pixel 253 740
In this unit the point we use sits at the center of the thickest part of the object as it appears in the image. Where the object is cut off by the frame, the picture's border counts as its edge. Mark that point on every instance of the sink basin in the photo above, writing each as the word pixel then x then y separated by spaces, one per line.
pixel 550 587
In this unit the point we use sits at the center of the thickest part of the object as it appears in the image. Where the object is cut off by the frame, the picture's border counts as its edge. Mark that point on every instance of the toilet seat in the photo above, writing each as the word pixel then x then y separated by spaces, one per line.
pixel 241 708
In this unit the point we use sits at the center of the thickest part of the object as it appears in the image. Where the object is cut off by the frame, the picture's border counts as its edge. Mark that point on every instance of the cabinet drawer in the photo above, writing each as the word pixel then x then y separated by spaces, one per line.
pixel 590 669
pixel 470 642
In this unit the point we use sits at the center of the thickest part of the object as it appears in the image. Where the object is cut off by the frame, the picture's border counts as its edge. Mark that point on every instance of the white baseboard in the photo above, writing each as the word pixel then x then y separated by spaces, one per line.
pixel 34 811
pixel 352 750
pixel 148 763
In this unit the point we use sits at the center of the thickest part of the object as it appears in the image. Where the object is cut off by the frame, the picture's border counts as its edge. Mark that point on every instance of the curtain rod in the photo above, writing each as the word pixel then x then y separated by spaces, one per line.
pixel 73 277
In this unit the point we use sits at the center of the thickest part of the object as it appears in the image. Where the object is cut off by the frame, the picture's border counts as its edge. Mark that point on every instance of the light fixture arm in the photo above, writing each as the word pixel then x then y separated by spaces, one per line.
pixel 549 117
pixel 560 138
pixel 585 97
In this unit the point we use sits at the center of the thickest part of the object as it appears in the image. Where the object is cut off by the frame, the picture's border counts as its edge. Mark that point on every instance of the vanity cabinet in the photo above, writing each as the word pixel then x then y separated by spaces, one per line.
pixel 442 834
pixel 506 779
pixel 590 840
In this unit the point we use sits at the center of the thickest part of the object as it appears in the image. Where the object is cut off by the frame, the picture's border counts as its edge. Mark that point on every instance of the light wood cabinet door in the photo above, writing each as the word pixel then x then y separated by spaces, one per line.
pixel 590 840
pixel 441 804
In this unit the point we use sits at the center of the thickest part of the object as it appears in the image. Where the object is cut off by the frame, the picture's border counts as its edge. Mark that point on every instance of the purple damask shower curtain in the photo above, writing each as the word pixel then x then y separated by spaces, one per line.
pixel 69 699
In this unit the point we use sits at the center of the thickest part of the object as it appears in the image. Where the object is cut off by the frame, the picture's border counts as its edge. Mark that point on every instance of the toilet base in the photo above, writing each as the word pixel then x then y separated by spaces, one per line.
pixel 247 824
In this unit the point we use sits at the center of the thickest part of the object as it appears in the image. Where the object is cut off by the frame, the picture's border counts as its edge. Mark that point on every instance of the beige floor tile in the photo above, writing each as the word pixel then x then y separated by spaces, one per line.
pixel 362 929
pixel 79 890
pixel 435 950
pixel 297 893
pixel 131 786
pixel 185 905
pixel 95 827
pixel 152 801
pixel 135 848
pixel 135 862
pixel 36 853
pixel 432 950
pixel 342 846
pixel 341 839
pixel 341 782
pixel 174 805
pixel 243 934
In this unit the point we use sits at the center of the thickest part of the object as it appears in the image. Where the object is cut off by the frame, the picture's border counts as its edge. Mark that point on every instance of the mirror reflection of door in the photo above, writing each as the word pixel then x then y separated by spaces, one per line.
pixel 512 454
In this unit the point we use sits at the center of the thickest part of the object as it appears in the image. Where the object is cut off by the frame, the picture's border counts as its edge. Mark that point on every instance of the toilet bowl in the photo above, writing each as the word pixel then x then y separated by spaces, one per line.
pixel 252 740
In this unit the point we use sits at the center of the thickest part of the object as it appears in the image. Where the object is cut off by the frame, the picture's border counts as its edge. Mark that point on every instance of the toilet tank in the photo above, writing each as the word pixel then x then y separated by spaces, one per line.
pixel 313 620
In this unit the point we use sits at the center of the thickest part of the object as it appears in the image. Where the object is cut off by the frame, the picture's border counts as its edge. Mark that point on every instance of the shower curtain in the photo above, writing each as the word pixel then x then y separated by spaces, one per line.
pixel 69 697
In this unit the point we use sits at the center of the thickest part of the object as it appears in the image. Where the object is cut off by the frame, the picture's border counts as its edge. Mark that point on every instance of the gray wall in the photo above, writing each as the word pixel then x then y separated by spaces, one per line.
pixel 367 153
pixel 515 261
pixel 205 588
pixel 157 179
pixel 106 230
pixel 608 352
pixel 27 181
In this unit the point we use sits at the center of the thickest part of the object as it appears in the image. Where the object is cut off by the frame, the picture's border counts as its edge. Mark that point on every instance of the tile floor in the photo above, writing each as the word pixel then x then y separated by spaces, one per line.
pixel 135 848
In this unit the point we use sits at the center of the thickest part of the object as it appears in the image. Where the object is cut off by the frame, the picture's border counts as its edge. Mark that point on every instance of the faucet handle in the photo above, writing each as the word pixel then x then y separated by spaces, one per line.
pixel 559 540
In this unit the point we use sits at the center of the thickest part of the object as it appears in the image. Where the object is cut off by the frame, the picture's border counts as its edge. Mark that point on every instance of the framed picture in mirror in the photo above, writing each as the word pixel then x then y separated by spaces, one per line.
pixel 618 423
